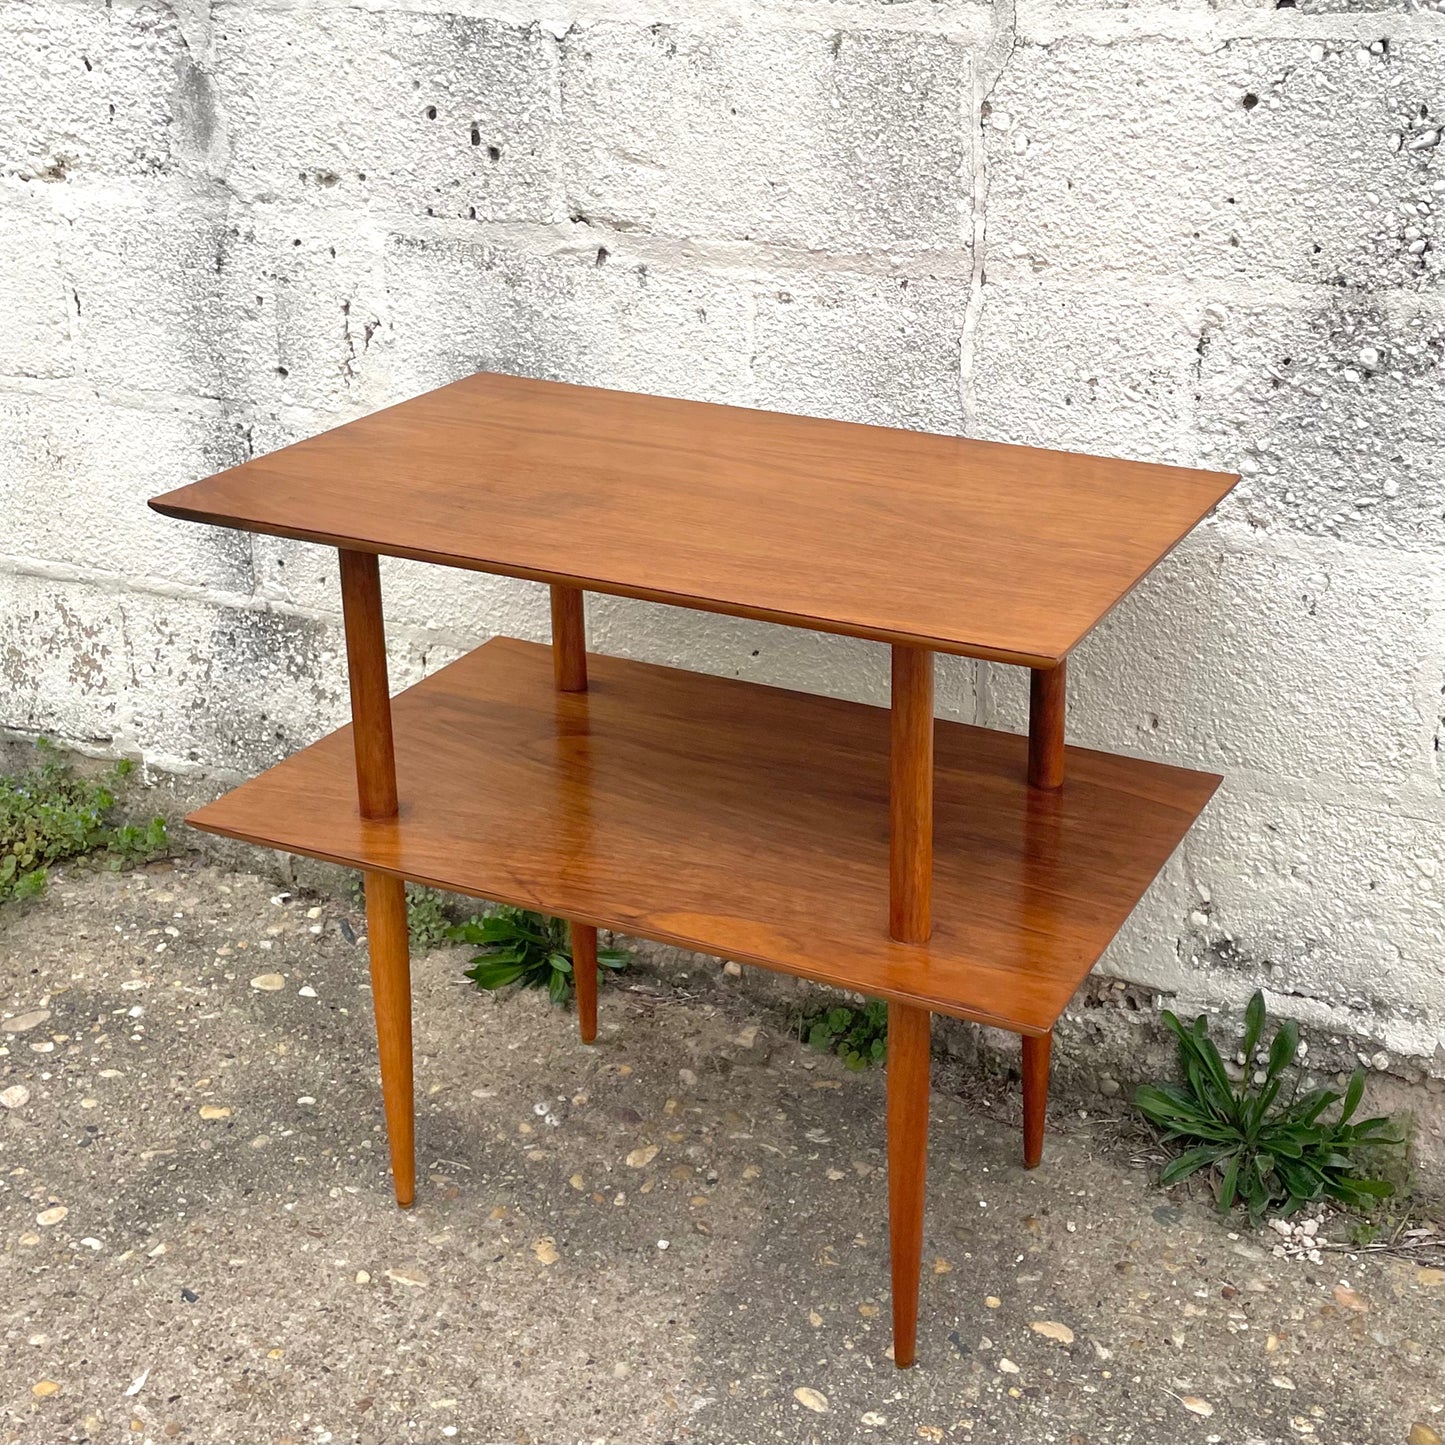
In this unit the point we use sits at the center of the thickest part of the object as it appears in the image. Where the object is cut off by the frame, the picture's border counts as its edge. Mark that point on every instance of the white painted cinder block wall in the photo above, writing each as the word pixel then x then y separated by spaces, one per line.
pixel 1192 232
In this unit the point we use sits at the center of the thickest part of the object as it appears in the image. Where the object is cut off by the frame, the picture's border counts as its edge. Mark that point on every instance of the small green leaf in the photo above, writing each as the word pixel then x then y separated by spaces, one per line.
pixel 1353 1094
pixel 1230 1184
pixel 491 975
pixel 1185 1164
pixel 32 884
pixel 1283 1146
pixel 497 953
pixel 1371 1131
pixel 1308 1107
pixel 1171 1108
pixel 1302 1182
pixel 1362 1193
pixel 1255 1111
pixel 495 928
pixel 1253 1025
pixel 1282 1050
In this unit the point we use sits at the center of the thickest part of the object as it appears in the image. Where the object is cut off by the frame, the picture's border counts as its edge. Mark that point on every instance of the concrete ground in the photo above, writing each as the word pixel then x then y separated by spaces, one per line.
pixel 679 1234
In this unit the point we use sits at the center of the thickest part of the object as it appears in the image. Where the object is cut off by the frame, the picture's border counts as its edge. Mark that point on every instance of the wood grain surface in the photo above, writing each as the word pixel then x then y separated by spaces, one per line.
pixel 964 546
pixel 1036 1053
pixel 370 689
pixel 910 823
pixel 909 1068
pixel 389 947
pixel 1047 710
pixel 745 821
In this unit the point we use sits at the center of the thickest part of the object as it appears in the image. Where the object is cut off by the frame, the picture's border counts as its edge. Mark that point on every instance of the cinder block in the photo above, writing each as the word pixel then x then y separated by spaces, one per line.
pixel 578 314
pixel 1334 414
pixel 181 291
pixel 88 88
pixel 147 268
pixel 468 607
pixel 35 334
pixel 879 349
pixel 239 689
pixel 1146 948
pixel 845 141
pixel 303 305
pixel 1319 898
pixel 228 688
pixel 1084 369
pixel 444 115
pixel 1324 664
pixel 1272 158
pixel 62 658
pixel 76 478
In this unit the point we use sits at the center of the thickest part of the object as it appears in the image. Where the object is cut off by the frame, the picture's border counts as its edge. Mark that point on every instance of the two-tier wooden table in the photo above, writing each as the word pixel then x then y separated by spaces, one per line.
pixel 944 868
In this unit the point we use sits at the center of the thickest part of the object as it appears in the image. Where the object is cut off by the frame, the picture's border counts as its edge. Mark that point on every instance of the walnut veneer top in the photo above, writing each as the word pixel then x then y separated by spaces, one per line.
pixel 970 547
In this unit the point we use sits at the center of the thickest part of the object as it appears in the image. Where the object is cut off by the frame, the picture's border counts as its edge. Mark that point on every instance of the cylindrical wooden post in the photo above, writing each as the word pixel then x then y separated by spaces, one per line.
pixel 909 1031
pixel 370 693
pixel 584 976
pixel 386 934
pixel 569 639
pixel 569 669
pixel 1047 688
pixel 1036 1051
pixel 910 847
pixel 386 926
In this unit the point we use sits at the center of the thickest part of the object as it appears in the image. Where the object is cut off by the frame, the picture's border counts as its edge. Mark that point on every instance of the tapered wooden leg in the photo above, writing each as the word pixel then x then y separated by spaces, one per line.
pixel 569 639
pixel 1036 1095
pixel 569 671
pixel 584 976
pixel 1047 691
pixel 910 843
pixel 908 1061
pixel 385 896
pixel 391 998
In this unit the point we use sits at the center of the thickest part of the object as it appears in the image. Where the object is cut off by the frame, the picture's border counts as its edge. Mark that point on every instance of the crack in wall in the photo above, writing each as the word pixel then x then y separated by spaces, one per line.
pixel 987 71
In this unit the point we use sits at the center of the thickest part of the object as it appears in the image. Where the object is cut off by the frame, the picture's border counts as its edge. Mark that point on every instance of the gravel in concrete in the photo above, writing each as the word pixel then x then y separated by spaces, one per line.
pixel 679 1234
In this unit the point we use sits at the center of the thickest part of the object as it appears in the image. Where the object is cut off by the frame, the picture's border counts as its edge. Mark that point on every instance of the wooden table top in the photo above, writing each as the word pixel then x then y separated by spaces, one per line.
pixel 745 821
pixel 969 547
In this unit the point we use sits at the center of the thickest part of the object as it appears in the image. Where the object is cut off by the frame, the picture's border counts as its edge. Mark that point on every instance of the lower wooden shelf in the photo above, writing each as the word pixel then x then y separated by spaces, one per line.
pixel 744 821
